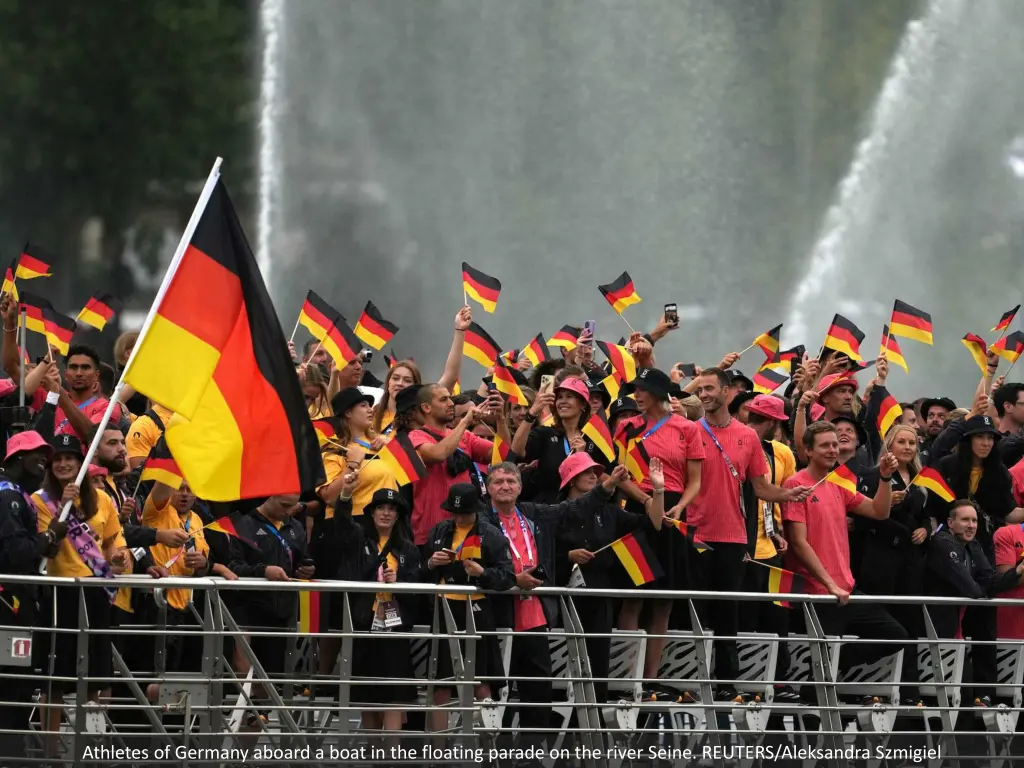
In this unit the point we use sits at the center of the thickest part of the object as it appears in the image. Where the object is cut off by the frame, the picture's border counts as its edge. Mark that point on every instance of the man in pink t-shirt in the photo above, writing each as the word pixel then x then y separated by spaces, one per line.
pixel 819 545
pixel 1009 550
pixel 732 456
pixel 450 454
pixel 81 374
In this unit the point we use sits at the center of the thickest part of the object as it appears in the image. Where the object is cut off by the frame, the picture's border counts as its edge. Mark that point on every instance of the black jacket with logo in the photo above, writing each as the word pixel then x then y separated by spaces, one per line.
pixel 994 497
pixel 356 552
pixel 494 557
pixel 246 560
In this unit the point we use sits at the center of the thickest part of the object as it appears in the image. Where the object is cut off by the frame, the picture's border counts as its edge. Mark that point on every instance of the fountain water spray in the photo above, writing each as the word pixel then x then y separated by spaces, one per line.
pixel 271 15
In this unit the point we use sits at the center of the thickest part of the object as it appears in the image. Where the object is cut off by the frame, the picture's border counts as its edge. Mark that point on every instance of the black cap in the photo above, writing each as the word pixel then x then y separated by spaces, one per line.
pixel 623 405
pixel 598 388
pixel 386 496
pixel 369 380
pixel 943 402
pixel 463 499
pixel 654 381
pixel 738 376
pixel 739 399
pixel 405 400
pixel 348 398
pixel 66 444
pixel 981 425
pixel 862 435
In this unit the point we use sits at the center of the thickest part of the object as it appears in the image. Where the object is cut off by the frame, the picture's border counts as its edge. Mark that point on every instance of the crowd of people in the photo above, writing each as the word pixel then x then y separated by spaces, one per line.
pixel 742 469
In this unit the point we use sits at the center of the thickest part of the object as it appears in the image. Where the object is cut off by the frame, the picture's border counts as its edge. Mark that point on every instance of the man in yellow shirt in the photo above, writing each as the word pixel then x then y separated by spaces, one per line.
pixel 144 433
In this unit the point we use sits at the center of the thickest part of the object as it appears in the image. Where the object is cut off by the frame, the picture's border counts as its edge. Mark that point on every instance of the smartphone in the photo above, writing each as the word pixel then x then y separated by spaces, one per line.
pixel 545 382
pixel 451 552
pixel 190 545
pixel 367 355
pixel 591 326
pixel 491 386
pixel 672 314
pixel 540 574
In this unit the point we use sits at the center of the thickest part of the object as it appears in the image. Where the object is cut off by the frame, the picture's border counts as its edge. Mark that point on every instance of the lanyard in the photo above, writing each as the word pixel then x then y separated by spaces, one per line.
pixel 728 461
pixel 279 537
pixel 188 522
pixel 655 428
pixel 526 539
pixel 363 443
pixel 81 406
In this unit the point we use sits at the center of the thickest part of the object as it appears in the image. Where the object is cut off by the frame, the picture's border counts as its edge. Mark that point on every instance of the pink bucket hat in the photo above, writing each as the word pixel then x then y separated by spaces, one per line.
pixel 27 441
pixel 577 387
pixel 574 464
pixel 834 380
pixel 767 406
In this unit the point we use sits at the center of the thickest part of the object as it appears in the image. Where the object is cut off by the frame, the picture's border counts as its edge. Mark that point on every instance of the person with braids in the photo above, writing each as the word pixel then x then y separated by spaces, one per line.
pixel 406 373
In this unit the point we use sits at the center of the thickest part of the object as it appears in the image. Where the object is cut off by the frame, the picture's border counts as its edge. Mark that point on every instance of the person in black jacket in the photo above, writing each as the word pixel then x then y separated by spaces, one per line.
pixel 21 549
pixel 465 550
pixel 958 567
pixel 376 548
pixel 279 554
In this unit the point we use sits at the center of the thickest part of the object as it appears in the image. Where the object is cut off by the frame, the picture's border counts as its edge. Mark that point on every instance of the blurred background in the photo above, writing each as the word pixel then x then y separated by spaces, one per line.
pixel 753 161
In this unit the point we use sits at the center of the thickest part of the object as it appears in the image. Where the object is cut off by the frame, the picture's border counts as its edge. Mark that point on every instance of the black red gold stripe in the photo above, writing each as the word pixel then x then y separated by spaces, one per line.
pixel 215 354
pixel 33 262
pixel 623 362
pixel 911 323
pixel 99 310
pixel 566 337
pixel 403 460
pixel 537 350
pixel 844 336
pixel 769 341
pixel 317 316
pixel 891 348
pixel 32 307
pixel 976 346
pixel 1006 319
pixel 481 287
pixel 620 293
pixel 480 347
pixel 373 329
pixel 59 329
pixel 888 411
pixel 637 558
pixel 1009 347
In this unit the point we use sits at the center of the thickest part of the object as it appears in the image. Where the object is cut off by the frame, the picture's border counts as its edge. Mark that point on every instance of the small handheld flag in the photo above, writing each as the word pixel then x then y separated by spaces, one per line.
pixel 1010 346
pixel 768 341
pixel 638 462
pixel 637 558
pixel 506 383
pixel 33 262
pixel 688 532
pixel 891 349
pixel 327 430
pixel 768 378
pixel 910 323
pixel 976 346
pixel 1002 325
pixel 480 347
pixel 480 287
pixel 59 329
pixel 783 582
pixel 470 548
pixel 32 306
pixel 621 359
pixel 888 412
pixel 99 310
pixel 10 288
pixel 500 450
pixel 373 329
pixel 566 337
pixel 932 479
pixel 843 477
pixel 844 336
pixel 309 612
pixel 401 457
pixel 600 434
pixel 620 293
pixel 161 467
pixel 329 327
pixel 537 350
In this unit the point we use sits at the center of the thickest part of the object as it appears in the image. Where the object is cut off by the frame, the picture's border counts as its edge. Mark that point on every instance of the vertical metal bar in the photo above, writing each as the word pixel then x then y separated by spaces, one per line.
pixel 707 695
pixel 828 700
pixel 942 692
pixel 82 670
pixel 583 685
pixel 344 724
pixel 468 680
pixel 213 622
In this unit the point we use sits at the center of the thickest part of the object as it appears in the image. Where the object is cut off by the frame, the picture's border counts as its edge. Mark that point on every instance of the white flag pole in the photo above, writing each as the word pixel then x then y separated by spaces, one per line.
pixel 179 253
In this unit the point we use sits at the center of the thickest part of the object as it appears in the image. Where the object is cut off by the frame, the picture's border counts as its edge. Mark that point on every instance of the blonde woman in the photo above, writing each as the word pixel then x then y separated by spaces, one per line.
pixel 314 389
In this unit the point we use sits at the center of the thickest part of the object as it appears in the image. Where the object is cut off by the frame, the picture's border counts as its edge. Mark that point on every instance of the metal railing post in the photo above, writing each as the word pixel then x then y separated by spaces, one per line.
pixel 586 704
pixel 831 726
pixel 344 664
pixel 82 670
pixel 707 694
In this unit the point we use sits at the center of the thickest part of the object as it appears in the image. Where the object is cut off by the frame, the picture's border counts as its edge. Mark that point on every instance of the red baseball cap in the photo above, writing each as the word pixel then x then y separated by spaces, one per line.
pixel 767 406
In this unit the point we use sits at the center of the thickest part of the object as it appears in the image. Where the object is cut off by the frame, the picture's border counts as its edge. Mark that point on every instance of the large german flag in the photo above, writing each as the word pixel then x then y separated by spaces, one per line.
pixel 480 347
pixel 59 329
pixel 1004 321
pixel 1009 347
pixel 9 286
pixel 216 356
pixel 621 359
pixel 843 336
pixel 32 306
pixel 911 323
pixel 161 466
pixel 373 329
pixel 769 341
pixel 537 350
pixel 621 293
pixel 506 383
pixel 99 310
pixel 481 287
pixel 33 262
pixel 891 349
pixel 566 337
pixel 976 346
pixel 600 434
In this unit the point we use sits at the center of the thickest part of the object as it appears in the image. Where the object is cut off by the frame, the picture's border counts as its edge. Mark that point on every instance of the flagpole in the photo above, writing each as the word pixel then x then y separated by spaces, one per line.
pixel 295 329
pixel 627 323
pixel 172 268
pixel 747 349
pixel 22 350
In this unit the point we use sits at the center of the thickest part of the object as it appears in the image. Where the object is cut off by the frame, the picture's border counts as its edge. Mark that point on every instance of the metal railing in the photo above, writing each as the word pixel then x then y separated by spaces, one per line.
pixel 240 706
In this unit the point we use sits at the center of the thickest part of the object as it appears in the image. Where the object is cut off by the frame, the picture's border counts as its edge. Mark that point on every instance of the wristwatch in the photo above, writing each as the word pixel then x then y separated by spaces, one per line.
pixel 529 417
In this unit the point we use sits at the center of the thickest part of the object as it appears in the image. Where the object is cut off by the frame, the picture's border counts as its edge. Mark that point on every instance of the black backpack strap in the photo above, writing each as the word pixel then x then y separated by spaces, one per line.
pixel 156 419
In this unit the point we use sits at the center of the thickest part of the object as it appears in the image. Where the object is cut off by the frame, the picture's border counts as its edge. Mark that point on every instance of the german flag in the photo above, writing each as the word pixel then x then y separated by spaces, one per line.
pixel 506 383
pixel 844 477
pixel 216 356
pixel 1002 325
pixel 1010 346
pixel 768 378
pixel 794 357
pixel 98 311
pixel 32 306
pixel 888 412
pixel 327 430
pixel 341 344
pixel 224 525
pixel 843 336
pixel 891 349
pixel 621 293
pixel 373 328
pixel 403 460
pixel 59 329
pixel 500 450
pixel 783 582
pixel 769 341
pixel 911 323
pixel 638 462
pixel 600 434
pixel 161 467
pixel 637 558
pixel 687 531
pixel 10 288
pixel 469 549
pixel 481 287
pixel 612 386
pixel 511 358
pixel 932 479
pixel 537 351
pixel 480 347
pixel 976 346
pixel 317 316
pixel 309 612
pixel 33 262
pixel 621 359
pixel 566 337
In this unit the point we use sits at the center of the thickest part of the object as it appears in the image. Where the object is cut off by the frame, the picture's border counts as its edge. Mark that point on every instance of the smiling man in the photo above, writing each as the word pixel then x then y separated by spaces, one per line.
pixel 83 405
